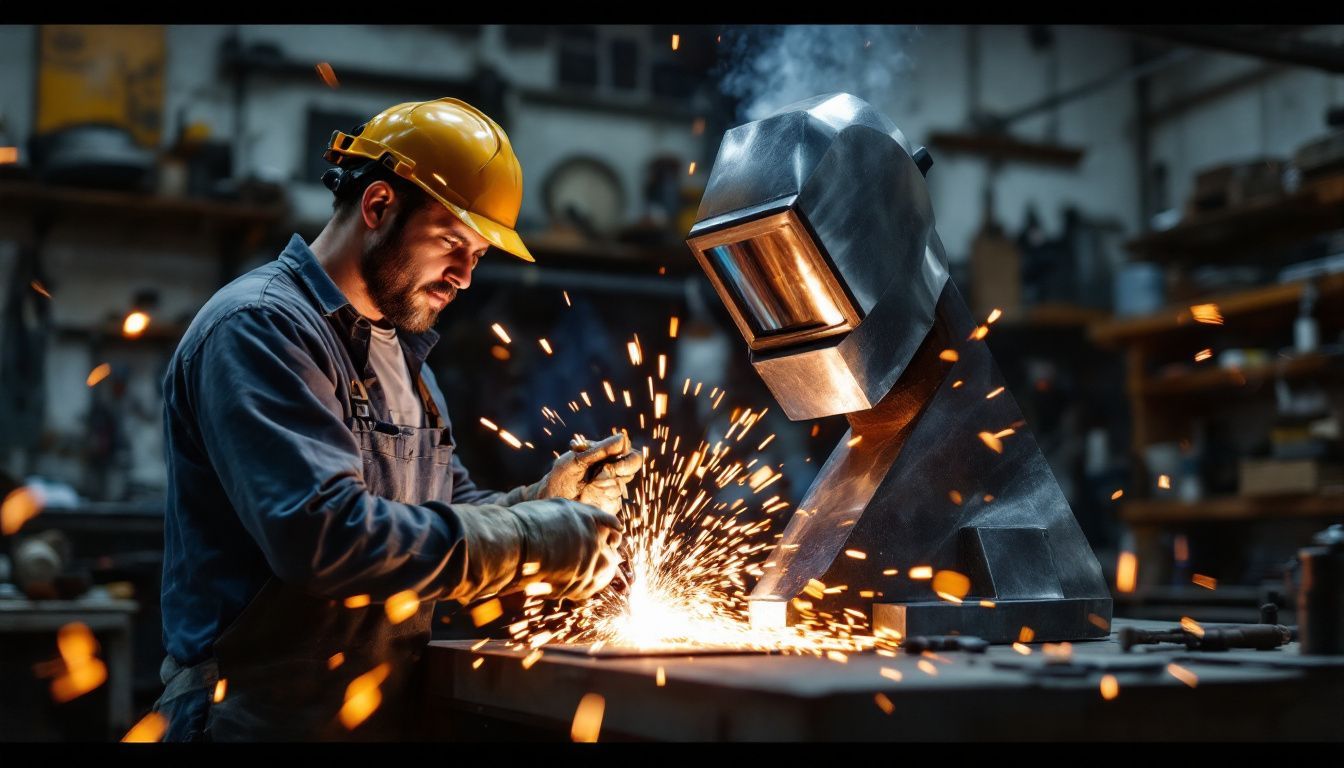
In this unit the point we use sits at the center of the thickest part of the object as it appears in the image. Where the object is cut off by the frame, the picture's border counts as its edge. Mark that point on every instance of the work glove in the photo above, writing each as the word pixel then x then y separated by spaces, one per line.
pixel 574 546
pixel 592 473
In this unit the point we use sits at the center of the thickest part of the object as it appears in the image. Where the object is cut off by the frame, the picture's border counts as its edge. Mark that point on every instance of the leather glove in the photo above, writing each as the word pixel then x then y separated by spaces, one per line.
pixel 578 476
pixel 574 544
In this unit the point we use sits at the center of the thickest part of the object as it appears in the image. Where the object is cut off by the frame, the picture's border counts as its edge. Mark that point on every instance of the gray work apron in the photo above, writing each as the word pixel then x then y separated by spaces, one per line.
pixel 276 656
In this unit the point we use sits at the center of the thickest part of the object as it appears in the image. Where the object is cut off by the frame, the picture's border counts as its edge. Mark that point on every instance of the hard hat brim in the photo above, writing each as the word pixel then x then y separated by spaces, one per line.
pixel 500 236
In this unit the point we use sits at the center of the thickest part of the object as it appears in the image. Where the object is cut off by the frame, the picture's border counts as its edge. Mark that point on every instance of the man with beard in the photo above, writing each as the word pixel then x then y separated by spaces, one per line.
pixel 316 507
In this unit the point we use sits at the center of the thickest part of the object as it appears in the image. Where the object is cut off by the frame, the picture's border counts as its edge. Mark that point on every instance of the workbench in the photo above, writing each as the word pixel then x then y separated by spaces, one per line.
pixel 999 695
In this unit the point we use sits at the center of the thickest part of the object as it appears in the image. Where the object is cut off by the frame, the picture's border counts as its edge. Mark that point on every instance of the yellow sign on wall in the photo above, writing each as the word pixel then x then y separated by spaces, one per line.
pixel 102 74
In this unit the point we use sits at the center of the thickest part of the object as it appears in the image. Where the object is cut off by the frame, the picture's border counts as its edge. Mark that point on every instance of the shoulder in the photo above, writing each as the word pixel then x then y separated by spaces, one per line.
pixel 264 302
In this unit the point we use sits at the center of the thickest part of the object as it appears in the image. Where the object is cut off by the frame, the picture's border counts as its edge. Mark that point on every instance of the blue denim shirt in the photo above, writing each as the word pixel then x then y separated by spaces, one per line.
pixel 265 475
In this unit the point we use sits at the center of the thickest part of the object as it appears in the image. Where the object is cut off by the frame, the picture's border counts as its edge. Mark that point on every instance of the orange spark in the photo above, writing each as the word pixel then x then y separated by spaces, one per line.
pixel 1022 649
pixel 1163 481
pixel 402 606
pixel 149 730
pixel 336 660
pixel 1026 635
pixel 891 674
pixel 358 601
pixel 927 668
pixel 20 506
pixel 1183 674
pixel 567 301
pixel 992 442
pixel 221 687
pixel 884 703
pixel 994 314
pixel 501 333
pixel 327 74
pixel 1117 494
pixel 546 346
pixel 487 612
pixel 83 671
pixel 588 717
pixel 952 584
pixel 1207 582
pixel 980 332
pixel 508 437
pixel 921 572
pixel 1126 572
pixel 37 285
pixel 853 441
pixel 672 324
pixel 660 678
pixel 134 324
pixel 488 424
pixel 9 155
pixel 950 355
pixel 676 42
pixel 1207 314
pixel 363 696
pixel 994 394
pixel 1110 687
pixel 531 658
pixel 856 554
pixel 691 172
pixel 1203 354
pixel 1192 626
pixel 957 384
pixel 955 496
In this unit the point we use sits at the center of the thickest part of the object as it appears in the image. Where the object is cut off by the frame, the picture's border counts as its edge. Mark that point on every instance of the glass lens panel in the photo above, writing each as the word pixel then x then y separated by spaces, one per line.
pixel 776 283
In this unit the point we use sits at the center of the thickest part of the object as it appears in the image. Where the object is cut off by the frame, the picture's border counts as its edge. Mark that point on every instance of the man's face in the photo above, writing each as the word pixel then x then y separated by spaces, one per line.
pixel 415 266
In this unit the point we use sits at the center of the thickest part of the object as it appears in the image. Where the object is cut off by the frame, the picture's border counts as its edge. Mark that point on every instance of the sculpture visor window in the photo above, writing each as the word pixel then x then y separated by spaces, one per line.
pixel 776 283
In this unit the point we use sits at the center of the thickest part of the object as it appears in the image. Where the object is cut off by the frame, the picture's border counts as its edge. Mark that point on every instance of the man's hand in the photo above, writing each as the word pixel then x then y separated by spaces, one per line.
pixel 574 546
pixel 592 473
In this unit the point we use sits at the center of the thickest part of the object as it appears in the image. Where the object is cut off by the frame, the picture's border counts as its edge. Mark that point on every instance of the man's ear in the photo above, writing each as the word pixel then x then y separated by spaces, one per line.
pixel 375 204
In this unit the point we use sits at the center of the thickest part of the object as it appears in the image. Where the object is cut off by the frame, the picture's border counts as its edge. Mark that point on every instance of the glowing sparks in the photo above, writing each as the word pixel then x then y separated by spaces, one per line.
pixel 1022 649
pixel 991 442
pixel 9 155
pixel 891 674
pixel 950 355
pixel 487 612
pixel 531 658
pixel 39 288
pixel 1115 496
pixel 993 315
pixel 327 74
pixel 980 332
pixel 856 554
pixel 1207 314
pixel 986 603
pixel 587 722
pixel 363 696
pixel 951 586
pixel 890 572
pixel 1026 635
pixel 501 333
pixel 660 678
pixel 568 303
pixel 20 506
pixel 955 496
pixel 402 606
pixel 1183 674
pixel 691 170
pixel 884 703
pixel 336 660
pixel 611 393
pixel 921 572
pixel 1110 687
pixel 636 355
pixel 928 668
pixel 134 325
pixel 508 437
pixel 1203 354
pixel 1190 625
pixel 1098 622
pixel 837 657
pixel 531 569
pixel 149 730
pixel 1207 582
pixel 545 346
pixel 99 373
pixel 659 405
pixel 1126 572
pixel 537 589
pixel 957 384
pixel 672 325
pixel 676 42
pixel 1163 481
pixel 221 687
pixel 83 670
pixel 994 394
pixel 478 662
pixel 853 441
pixel 357 601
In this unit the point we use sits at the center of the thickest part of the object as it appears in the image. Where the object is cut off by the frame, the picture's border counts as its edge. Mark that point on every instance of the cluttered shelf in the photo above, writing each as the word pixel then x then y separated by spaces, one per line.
pixel 33 197
pixel 1310 366
pixel 1316 208
pixel 1150 511
pixel 1264 304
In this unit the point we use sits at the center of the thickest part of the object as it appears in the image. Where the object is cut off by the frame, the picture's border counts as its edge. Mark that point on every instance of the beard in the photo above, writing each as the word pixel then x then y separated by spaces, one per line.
pixel 392 285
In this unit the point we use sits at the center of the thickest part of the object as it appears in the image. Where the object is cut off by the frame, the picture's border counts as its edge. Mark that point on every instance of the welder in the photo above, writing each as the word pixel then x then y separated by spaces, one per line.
pixel 311 465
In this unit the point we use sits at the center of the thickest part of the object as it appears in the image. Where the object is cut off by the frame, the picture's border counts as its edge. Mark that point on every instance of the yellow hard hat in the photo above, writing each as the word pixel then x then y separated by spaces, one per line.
pixel 454 152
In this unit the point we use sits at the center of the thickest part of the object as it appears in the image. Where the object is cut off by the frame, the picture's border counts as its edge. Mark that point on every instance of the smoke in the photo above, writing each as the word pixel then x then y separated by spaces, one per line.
pixel 766 68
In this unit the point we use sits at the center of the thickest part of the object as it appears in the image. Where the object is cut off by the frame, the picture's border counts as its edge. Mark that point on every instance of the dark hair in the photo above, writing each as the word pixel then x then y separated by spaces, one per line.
pixel 347 193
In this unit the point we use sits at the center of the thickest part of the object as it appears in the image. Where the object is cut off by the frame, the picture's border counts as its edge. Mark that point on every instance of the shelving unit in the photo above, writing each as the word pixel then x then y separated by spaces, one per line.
pixel 1169 390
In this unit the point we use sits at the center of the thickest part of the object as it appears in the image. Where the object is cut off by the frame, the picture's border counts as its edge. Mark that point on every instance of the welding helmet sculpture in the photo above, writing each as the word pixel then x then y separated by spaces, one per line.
pixel 817 232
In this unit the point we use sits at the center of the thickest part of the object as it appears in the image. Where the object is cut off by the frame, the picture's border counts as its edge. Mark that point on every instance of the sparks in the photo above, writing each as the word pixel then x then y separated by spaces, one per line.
pixel 545 346
pixel 1207 582
pixel 1203 354
pixel 327 74
pixel 1110 687
pixel 949 355
pixel 1207 314
pixel 1126 572
pixel 501 333
pixel 994 394
pixel 672 324
pixel 994 314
